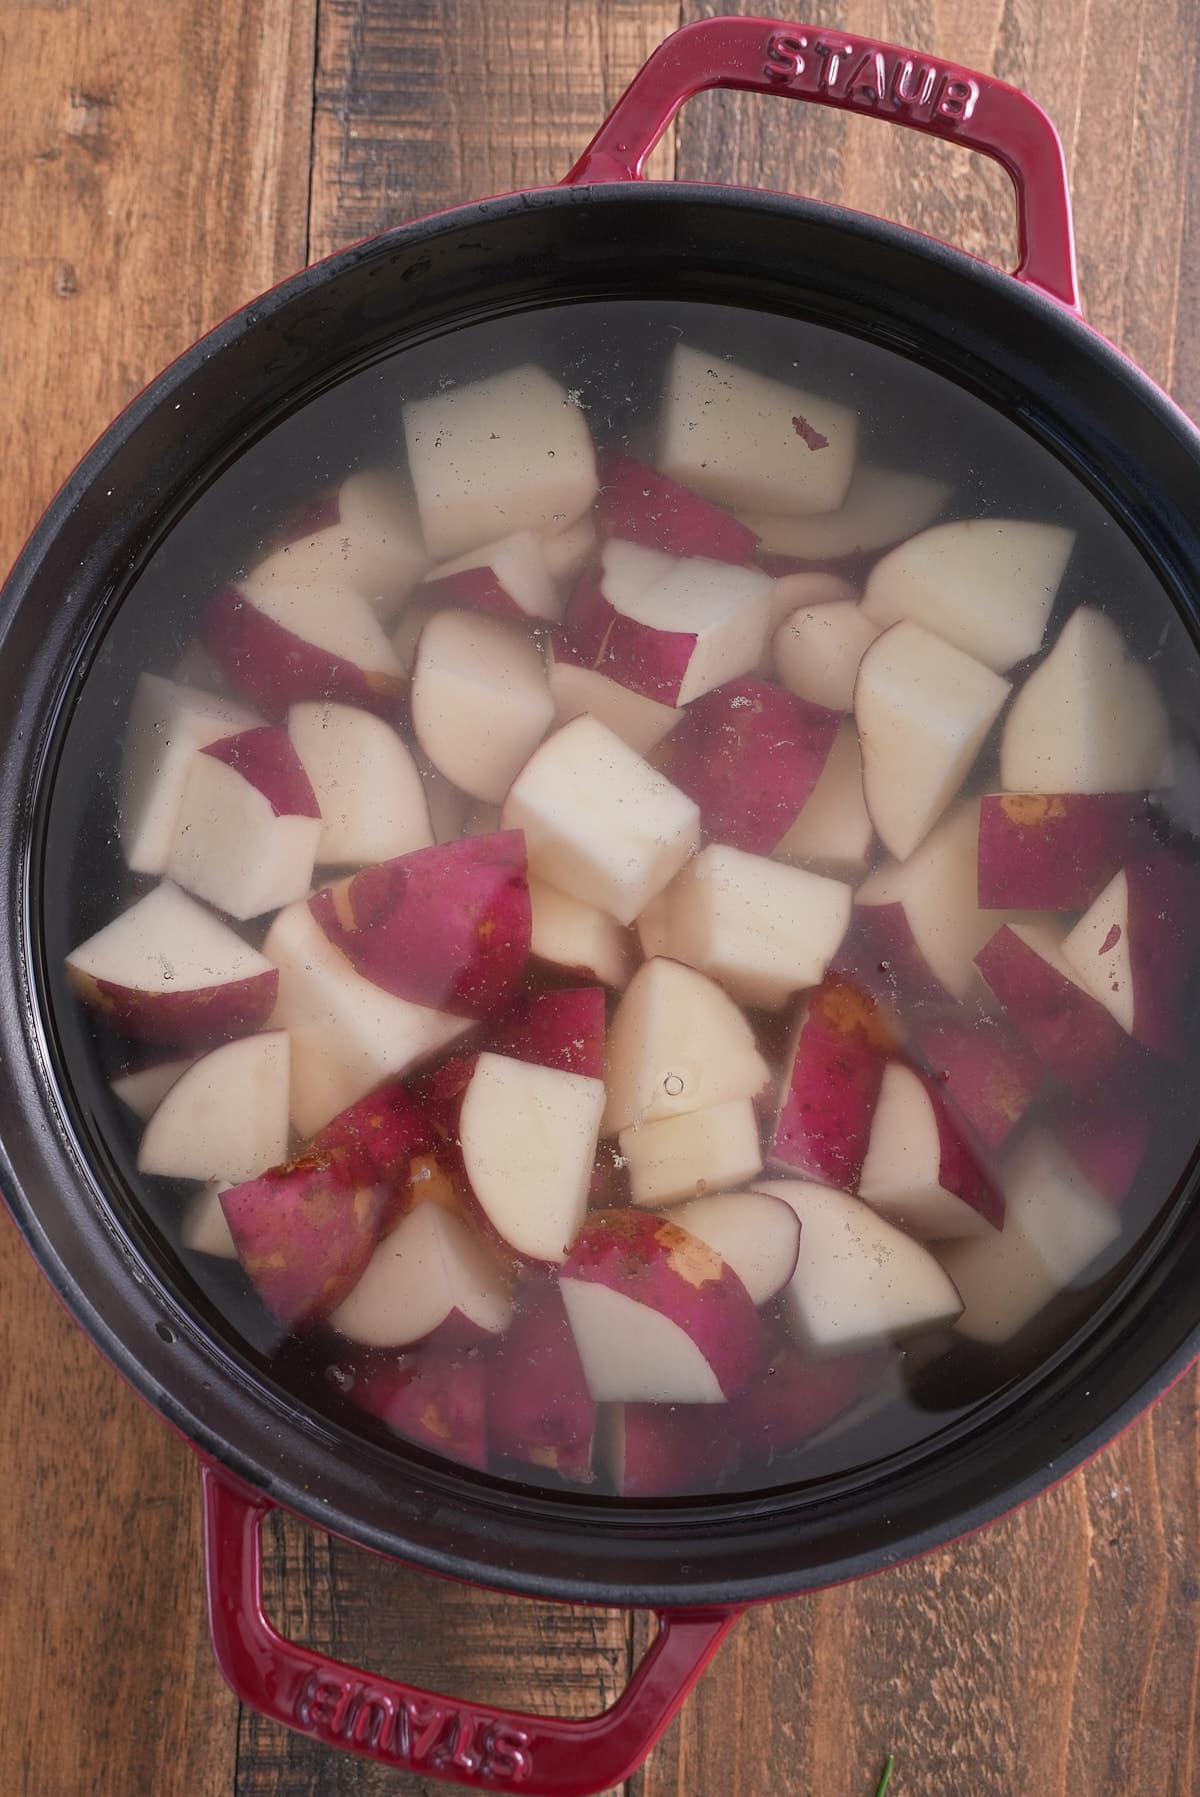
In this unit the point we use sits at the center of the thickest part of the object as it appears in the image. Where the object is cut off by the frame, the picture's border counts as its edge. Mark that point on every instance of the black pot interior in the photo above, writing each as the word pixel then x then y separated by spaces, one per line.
pixel 530 270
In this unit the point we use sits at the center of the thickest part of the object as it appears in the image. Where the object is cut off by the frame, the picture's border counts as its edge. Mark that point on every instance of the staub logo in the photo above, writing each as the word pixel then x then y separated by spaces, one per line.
pixel 871 76
pixel 413 1733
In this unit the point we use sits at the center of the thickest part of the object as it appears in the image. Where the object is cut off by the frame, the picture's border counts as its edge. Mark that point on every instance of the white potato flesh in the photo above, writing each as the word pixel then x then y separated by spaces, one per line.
pixel 430 1268
pixel 677 1043
pixel 480 701
pixel 764 929
pixel 507 453
pixel 167 943
pixel 881 506
pixel 728 609
pixel 818 648
pixel 1055 1228
pixel 987 585
pixel 684 1157
pixel 582 692
pixel 755 1233
pixel 233 849
pixel 578 937
pixel 167 723
pixel 374 548
pixel 859 1279
pixel 332 618
pixel 632 1354
pixel 518 565
pixel 528 1136
pixel 751 442
pixel 923 709
pixel 226 1118
pixel 347 1034
pixel 367 784
pixel 143 1090
pixel 1088 719
pixel 203 1227
pixel 600 823
pixel 900 1174
pixel 832 832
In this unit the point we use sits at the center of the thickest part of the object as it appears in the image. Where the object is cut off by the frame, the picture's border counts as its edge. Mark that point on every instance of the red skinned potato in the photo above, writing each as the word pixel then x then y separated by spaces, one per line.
pixel 881 507
pixel 509 452
pixel 248 825
pixel 796 1398
pixel 830 1085
pixel 700 1151
pixel 920 1171
pixel 1055 851
pixel 167 722
pixel 576 937
pixel 347 1033
pixel 1133 947
pixel 563 1029
pixel 280 644
pixel 1055 1228
pixel 539 1407
pixel 507 579
pixel 750 755
pixel 387 1131
pixel 363 535
pixel 811 587
pixel 639 505
pixel 433 1397
pixel 657 1315
pixel 1088 719
pixel 764 929
pixel 1070 1031
pixel 859 1280
pixel 917 923
pixel 751 442
pixel 755 1234
pixel 480 701
pixel 577 689
pixel 923 709
pixel 142 1089
pixel 525 1137
pixel 677 1044
pixel 599 822
pixel 368 786
pixel 226 1117
pixel 431 1278
pixel 986 1076
pixel 167 970
pixel 634 635
pixel 305 1231
pixel 818 647
pixel 986 585
pixel 447 926
pixel 656 1450
pixel 833 833
pixel 1107 1141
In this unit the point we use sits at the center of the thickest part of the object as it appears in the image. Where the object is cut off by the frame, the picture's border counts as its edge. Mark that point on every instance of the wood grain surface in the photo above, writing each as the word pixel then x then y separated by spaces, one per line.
pixel 163 162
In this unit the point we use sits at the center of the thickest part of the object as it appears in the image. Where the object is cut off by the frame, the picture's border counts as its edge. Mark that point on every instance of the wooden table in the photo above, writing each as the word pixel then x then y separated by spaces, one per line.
pixel 165 160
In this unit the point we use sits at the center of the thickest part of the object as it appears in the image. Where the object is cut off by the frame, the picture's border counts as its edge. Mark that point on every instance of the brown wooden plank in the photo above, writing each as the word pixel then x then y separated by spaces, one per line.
pixel 1059 1650
pixel 139 140
pixel 423 105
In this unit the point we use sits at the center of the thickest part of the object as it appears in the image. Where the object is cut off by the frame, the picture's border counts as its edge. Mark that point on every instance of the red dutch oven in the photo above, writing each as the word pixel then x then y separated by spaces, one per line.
pixel 1018 344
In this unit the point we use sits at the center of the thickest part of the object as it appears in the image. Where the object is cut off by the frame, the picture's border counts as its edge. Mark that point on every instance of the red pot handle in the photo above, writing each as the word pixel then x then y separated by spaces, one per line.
pixel 857 74
pixel 402 1726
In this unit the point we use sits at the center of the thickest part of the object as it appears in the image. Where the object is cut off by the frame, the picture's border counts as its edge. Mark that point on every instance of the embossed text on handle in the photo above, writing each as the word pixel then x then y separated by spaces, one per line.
pixel 869 76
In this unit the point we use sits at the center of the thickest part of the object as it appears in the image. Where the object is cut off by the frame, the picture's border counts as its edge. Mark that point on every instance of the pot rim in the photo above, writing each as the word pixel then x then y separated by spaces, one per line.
pixel 230 1413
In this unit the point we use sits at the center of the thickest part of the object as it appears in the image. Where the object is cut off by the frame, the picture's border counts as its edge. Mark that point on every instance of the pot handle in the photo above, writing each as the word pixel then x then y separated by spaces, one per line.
pixel 856 74
pixel 405 1727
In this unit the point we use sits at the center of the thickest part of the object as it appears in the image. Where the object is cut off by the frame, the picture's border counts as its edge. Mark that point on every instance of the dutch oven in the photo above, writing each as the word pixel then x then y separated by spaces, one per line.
pixel 1017 343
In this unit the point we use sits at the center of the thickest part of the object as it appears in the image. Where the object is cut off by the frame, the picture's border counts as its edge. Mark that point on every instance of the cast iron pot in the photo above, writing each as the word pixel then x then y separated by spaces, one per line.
pixel 1019 344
